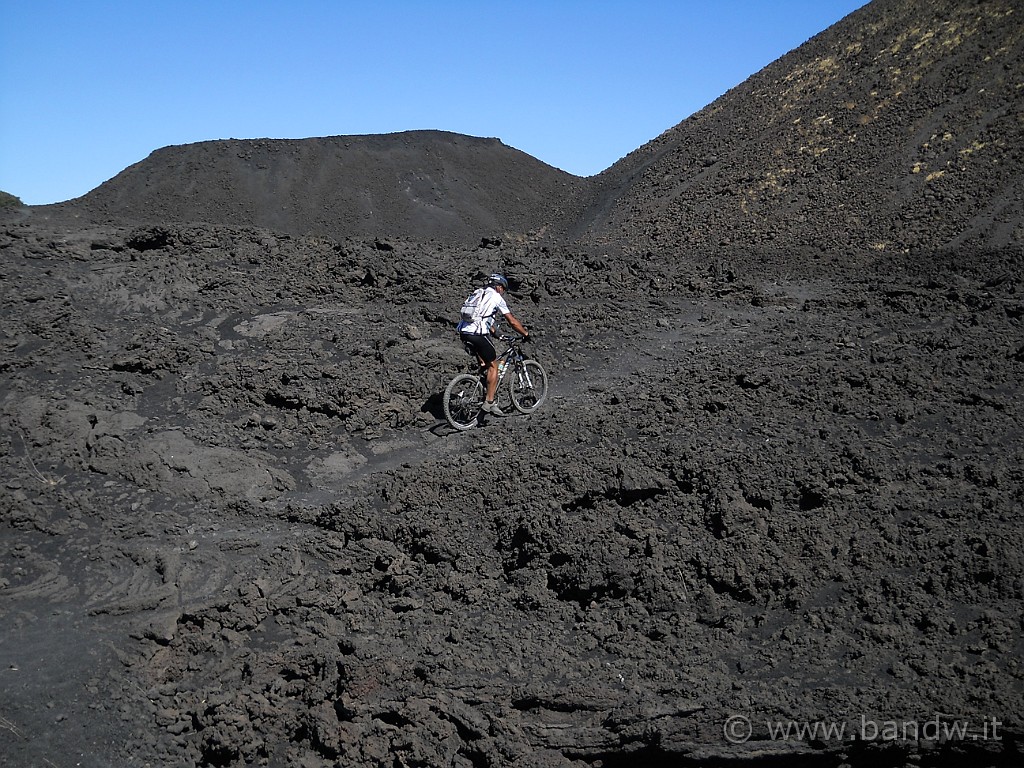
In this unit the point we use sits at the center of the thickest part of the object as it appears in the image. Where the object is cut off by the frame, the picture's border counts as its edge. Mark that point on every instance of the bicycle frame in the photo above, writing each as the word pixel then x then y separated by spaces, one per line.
pixel 510 359
pixel 523 390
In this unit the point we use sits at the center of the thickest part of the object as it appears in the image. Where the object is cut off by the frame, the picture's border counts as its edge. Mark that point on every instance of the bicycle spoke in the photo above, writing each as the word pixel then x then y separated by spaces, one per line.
pixel 529 386
pixel 462 400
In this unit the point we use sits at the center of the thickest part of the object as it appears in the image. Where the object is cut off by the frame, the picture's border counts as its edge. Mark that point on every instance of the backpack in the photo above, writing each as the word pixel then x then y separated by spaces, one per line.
pixel 471 307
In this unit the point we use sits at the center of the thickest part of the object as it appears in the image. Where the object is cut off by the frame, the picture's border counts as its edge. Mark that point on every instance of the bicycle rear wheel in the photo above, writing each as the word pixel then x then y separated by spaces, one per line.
pixel 529 386
pixel 462 400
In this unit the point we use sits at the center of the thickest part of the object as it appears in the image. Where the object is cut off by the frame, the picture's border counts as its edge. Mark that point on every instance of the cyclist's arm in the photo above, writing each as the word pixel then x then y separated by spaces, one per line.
pixel 516 325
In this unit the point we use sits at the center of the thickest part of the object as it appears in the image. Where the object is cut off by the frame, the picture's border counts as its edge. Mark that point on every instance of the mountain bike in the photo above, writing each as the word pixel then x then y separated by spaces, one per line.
pixel 522 384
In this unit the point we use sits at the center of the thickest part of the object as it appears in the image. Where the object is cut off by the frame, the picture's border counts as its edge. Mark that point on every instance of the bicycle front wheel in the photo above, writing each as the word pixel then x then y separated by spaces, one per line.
pixel 462 400
pixel 529 386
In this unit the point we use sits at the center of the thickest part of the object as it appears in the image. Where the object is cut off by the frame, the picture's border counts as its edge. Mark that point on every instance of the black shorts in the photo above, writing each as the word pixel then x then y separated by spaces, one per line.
pixel 481 345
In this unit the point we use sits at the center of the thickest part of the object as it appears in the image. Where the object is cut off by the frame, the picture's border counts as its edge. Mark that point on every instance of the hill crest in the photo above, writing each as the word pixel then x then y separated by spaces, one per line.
pixel 415 184
pixel 895 130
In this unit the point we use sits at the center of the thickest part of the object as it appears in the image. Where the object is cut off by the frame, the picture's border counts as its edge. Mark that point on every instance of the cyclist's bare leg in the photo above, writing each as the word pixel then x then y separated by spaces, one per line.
pixel 492 380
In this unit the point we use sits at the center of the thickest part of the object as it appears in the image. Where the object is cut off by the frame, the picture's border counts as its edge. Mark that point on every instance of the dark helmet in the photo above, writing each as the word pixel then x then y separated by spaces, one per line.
pixel 495 280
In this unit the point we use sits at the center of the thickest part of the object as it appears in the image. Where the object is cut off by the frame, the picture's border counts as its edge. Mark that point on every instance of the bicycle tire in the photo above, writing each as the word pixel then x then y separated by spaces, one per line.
pixel 529 386
pixel 462 400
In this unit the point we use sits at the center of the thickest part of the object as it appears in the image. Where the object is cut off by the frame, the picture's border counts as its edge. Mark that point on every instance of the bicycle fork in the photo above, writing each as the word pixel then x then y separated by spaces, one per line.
pixel 524 377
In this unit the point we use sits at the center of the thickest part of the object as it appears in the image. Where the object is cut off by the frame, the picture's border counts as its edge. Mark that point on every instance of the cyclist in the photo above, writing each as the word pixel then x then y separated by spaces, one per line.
pixel 476 334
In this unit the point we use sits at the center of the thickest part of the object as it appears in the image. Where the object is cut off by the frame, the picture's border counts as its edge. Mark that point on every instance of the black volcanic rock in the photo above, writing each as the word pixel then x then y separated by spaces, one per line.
pixel 420 184
pixel 769 515
pixel 896 130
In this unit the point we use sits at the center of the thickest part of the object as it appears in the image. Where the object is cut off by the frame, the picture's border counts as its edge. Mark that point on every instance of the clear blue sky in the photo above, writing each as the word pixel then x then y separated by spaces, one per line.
pixel 88 88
